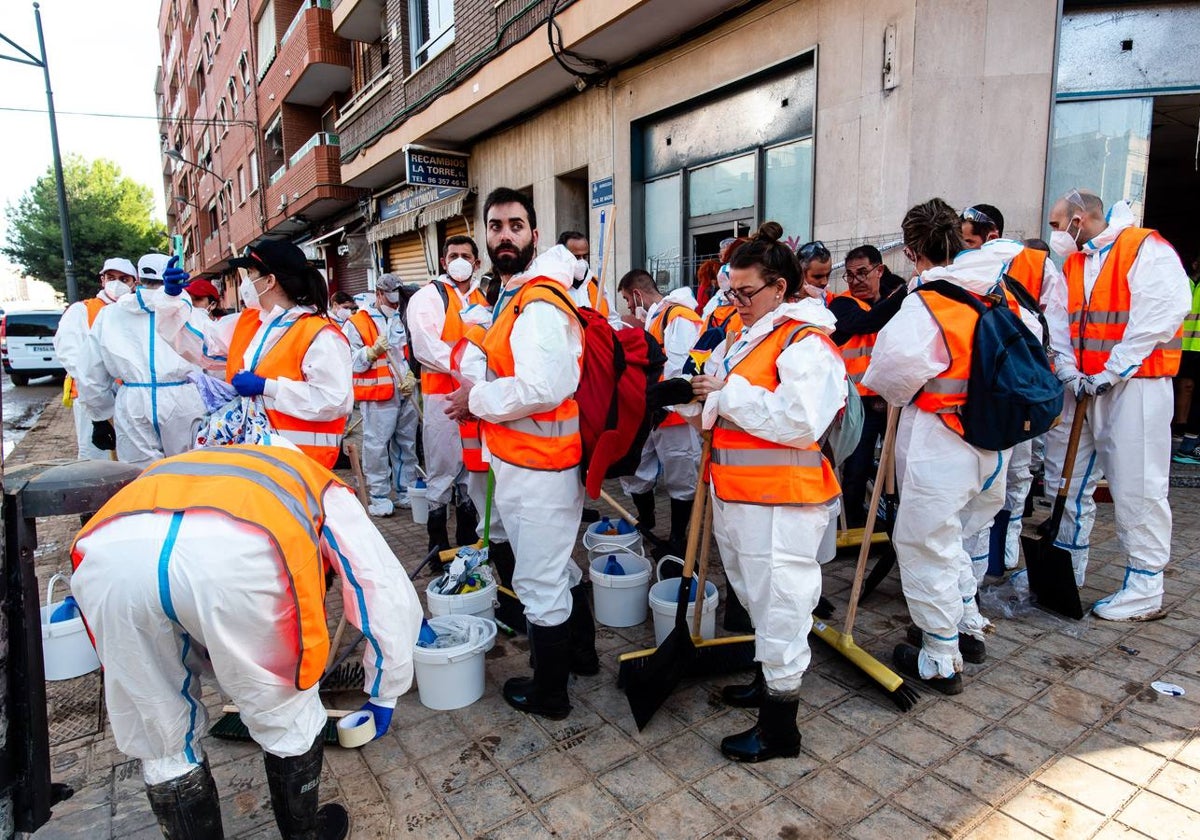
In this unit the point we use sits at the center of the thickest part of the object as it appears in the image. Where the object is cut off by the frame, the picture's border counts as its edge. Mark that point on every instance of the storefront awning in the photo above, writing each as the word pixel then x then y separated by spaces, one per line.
pixel 394 226
pixel 443 208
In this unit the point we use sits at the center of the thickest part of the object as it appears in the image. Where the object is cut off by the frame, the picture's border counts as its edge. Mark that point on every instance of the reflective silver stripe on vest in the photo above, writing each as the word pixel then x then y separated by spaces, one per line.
pixel 766 457
pixel 856 377
pixel 283 496
pixel 857 352
pixel 543 428
pixel 358 381
pixel 471 443
pixel 945 386
pixel 303 438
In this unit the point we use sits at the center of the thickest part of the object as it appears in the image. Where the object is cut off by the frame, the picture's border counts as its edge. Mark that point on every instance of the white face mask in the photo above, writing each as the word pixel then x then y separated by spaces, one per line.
pixel 116 288
pixel 341 313
pixel 460 269
pixel 639 311
pixel 1063 243
pixel 814 291
pixel 249 293
pixel 581 270
pixel 723 278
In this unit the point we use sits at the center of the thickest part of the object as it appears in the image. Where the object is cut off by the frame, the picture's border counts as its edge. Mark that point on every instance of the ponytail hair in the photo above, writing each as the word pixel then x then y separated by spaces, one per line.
pixel 773 258
pixel 934 231
pixel 305 288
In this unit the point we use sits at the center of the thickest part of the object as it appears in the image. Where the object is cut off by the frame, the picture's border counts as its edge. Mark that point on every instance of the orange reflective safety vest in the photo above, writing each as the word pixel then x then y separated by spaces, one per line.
pixel 436 382
pixel 946 393
pixel 469 433
pixel 275 491
pixel 658 329
pixel 726 318
pixel 320 439
pixel 856 352
pixel 1098 323
pixel 93 306
pixel 547 440
pixel 374 384
pixel 750 470
pixel 1029 269
pixel 596 299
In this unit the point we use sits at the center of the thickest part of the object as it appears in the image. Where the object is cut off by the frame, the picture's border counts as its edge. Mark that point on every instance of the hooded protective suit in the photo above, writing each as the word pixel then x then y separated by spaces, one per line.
pixel 155 408
pixel 770 552
pixel 949 490
pixel 541 509
pixel 165 608
pixel 426 323
pixel 672 449
pixel 389 426
pixel 1127 436
pixel 70 345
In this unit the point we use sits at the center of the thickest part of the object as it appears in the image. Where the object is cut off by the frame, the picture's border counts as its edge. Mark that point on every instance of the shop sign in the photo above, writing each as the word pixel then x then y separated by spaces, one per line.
pixel 411 198
pixel 435 169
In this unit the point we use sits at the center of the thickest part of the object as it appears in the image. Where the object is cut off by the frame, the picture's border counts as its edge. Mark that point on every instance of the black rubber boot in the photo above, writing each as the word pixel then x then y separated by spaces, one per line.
pixel 510 610
pixel 545 693
pixel 681 515
pixel 436 526
pixel 294 784
pixel 187 807
pixel 973 650
pixel 776 734
pixel 737 618
pixel 746 696
pixel 466 520
pixel 905 658
pixel 584 660
pixel 644 502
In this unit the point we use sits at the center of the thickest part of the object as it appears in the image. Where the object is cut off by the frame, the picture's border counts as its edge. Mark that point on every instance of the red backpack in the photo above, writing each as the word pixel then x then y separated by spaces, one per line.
pixel 618 365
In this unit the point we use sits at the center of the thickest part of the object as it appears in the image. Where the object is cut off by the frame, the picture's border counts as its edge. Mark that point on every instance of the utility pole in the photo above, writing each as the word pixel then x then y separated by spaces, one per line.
pixel 63 219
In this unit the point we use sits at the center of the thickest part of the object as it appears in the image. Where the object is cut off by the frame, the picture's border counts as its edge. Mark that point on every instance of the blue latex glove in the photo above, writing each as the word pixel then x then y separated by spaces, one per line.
pixel 174 278
pixel 382 715
pixel 248 384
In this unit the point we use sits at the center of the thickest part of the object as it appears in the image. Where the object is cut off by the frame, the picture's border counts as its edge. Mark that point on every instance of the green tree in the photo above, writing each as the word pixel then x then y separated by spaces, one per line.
pixel 111 216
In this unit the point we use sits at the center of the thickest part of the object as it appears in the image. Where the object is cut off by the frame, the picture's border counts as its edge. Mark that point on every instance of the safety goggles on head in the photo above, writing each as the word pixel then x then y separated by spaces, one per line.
pixel 813 250
pixel 977 217
pixel 249 253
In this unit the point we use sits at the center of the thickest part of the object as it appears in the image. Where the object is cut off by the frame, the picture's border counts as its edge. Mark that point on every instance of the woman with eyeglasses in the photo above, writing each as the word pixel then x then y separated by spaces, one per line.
pixel 282 347
pixel 949 490
pixel 769 395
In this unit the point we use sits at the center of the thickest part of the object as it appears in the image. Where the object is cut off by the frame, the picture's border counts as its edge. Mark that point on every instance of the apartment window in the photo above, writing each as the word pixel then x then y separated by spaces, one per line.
pixel 223 117
pixel 253 164
pixel 244 72
pixel 241 179
pixel 213 224
pixel 273 147
pixel 231 90
pixel 230 5
pixel 208 49
pixel 200 81
pixel 431 28
pixel 266 38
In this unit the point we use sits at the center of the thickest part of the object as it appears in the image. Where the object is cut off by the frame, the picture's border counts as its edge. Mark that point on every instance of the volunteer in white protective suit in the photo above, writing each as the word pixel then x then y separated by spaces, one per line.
pixel 155 409
pixel 438 316
pixel 1119 339
pixel 521 385
pixel 586 288
pixel 769 395
pixel 950 491
pixel 383 385
pixel 672 447
pixel 70 344
pixel 213 564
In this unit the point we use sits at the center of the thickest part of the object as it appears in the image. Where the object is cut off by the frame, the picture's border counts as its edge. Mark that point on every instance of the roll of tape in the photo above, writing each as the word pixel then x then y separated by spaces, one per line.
pixel 356 729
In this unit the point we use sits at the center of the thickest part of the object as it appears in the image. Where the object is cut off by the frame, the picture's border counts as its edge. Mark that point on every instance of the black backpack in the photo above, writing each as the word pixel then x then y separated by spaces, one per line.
pixel 1012 393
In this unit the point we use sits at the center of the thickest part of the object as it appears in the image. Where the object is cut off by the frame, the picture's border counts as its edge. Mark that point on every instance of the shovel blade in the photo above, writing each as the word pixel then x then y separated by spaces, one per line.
pixel 1051 576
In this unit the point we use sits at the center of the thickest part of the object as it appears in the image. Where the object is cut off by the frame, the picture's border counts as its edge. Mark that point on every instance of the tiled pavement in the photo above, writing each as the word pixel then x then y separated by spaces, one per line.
pixel 1058 735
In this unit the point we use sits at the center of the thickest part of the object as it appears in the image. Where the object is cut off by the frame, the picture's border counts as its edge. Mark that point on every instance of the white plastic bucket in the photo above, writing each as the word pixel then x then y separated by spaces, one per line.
pixel 630 542
pixel 418 498
pixel 664 597
pixel 620 600
pixel 480 603
pixel 452 677
pixel 66 648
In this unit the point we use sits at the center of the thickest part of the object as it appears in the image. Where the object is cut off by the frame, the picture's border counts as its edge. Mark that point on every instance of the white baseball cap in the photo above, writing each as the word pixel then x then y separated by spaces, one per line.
pixel 119 264
pixel 151 267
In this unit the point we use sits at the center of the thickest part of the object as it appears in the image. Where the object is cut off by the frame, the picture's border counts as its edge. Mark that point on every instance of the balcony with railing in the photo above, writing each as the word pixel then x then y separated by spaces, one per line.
pixel 358 20
pixel 310 180
pixel 311 63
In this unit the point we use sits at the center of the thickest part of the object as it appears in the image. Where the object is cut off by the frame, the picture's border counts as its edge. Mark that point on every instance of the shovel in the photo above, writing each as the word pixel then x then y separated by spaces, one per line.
pixel 1051 574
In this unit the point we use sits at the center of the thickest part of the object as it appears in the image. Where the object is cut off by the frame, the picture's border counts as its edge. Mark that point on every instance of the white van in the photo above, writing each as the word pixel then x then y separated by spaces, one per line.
pixel 27 345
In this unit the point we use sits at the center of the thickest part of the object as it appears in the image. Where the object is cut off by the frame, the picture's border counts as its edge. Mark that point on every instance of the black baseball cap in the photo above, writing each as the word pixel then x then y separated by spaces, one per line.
pixel 270 256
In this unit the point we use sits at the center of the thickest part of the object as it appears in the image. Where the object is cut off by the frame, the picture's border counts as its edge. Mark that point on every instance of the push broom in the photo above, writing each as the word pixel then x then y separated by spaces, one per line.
pixel 903 695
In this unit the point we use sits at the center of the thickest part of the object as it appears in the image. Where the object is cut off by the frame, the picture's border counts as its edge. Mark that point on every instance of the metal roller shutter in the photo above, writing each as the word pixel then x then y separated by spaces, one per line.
pixel 406 257
pixel 349 272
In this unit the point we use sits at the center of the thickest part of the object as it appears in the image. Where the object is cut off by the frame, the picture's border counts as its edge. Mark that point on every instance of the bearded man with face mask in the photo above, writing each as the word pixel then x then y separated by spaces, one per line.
pixel 383 386
pixel 1119 341
pixel 117 278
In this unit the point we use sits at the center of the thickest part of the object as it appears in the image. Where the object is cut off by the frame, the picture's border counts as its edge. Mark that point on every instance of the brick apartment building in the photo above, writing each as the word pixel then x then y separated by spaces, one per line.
pixel 684 122
pixel 248 95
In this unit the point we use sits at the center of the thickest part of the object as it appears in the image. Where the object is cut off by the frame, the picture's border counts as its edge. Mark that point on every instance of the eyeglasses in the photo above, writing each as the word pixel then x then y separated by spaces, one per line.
pixel 742 298
pixel 861 275
pixel 977 216
pixel 813 249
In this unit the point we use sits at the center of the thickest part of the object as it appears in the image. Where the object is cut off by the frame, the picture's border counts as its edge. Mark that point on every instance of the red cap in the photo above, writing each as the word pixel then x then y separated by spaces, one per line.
pixel 201 289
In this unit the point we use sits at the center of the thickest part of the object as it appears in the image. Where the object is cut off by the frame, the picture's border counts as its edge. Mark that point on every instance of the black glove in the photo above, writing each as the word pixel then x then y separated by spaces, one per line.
pixel 676 391
pixel 104 436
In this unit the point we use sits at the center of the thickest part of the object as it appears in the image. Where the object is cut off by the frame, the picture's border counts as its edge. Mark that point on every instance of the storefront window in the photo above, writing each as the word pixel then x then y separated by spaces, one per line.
pixel 663 229
pixel 728 185
pixel 789 189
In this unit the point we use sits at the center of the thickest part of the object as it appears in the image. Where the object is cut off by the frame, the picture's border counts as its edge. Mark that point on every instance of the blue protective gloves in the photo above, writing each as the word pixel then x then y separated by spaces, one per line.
pixel 382 715
pixel 174 278
pixel 248 384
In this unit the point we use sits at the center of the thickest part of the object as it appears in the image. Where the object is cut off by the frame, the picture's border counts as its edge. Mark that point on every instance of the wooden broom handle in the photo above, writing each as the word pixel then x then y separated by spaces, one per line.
pixel 702 576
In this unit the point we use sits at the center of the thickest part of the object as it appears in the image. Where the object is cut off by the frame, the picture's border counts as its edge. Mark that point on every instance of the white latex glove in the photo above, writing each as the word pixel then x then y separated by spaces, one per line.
pixel 1071 379
pixel 1101 383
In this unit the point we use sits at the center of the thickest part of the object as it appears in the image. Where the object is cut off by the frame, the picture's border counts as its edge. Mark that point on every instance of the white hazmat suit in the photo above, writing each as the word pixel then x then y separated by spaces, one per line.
pixel 70 345
pixel 1127 435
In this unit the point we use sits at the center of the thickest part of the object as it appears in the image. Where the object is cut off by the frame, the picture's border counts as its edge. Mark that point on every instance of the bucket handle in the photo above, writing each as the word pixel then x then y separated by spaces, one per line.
pixel 602 547
pixel 50 586
pixel 665 558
